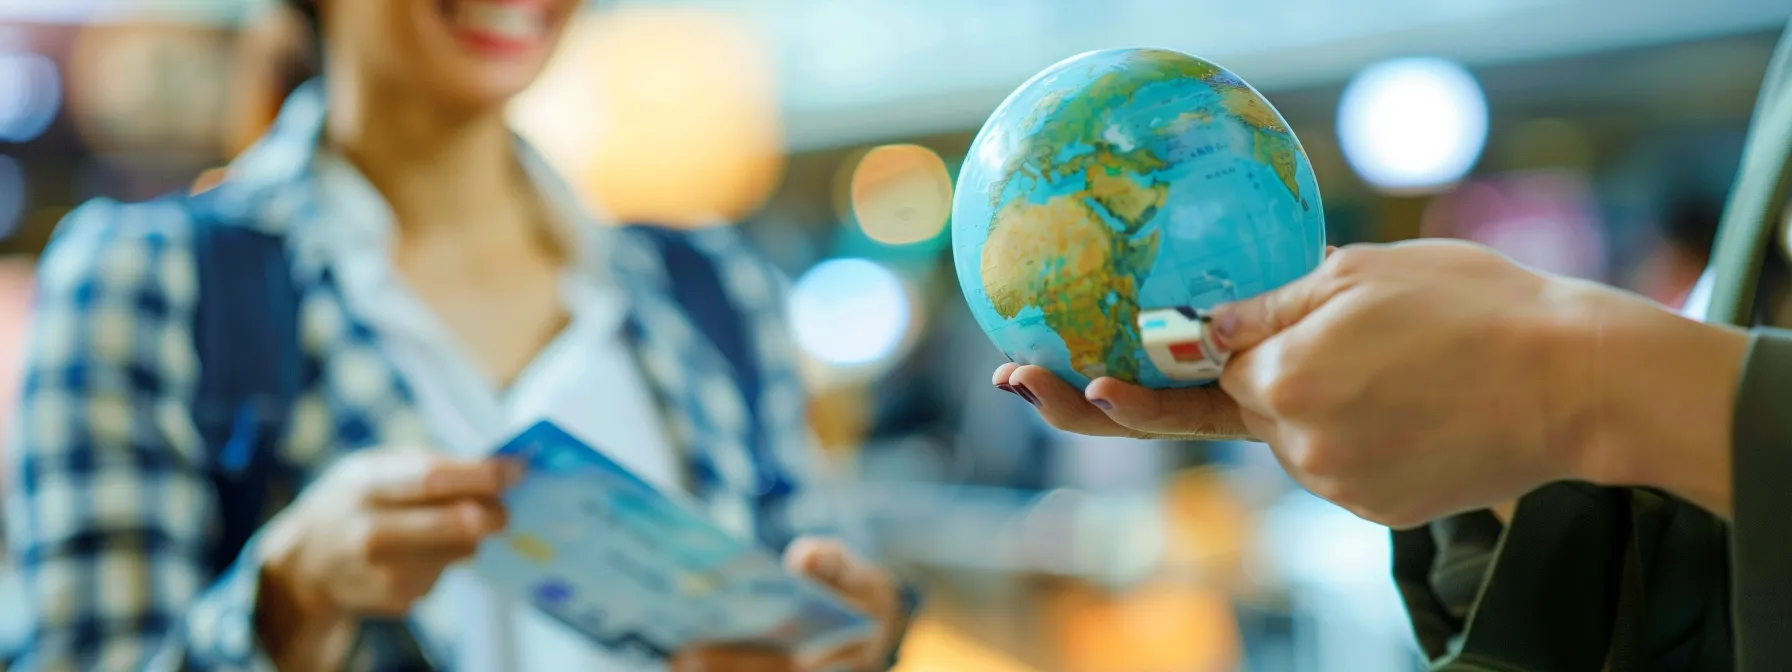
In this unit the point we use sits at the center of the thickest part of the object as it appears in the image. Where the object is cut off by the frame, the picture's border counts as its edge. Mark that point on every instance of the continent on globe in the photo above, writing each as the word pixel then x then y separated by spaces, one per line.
pixel 1119 179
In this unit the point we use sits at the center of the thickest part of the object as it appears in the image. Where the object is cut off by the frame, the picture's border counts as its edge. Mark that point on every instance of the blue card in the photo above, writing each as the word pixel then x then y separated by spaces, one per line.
pixel 592 545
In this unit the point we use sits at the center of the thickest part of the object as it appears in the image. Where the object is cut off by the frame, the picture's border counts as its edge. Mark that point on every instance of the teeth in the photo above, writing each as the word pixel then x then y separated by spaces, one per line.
pixel 506 20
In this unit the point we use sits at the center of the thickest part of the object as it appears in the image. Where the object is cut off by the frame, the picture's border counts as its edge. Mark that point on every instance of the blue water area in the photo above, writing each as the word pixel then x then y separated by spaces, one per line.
pixel 1229 227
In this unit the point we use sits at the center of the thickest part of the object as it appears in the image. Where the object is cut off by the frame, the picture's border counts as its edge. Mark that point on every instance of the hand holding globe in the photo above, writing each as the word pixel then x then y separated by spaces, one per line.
pixel 1118 182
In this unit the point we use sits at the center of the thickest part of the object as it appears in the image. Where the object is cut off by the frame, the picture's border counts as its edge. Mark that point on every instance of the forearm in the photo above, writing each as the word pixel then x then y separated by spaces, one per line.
pixel 1660 393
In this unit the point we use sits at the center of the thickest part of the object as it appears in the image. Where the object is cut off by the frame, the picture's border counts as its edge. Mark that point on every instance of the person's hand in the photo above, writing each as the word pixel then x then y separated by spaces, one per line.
pixel 1412 381
pixel 733 658
pixel 1109 407
pixel 871 589
pixel 371 536
pixel 865 586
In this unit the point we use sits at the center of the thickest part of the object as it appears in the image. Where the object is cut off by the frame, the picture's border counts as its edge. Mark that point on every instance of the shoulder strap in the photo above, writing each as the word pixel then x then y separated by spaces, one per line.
pixel 696 286
pixel 245 330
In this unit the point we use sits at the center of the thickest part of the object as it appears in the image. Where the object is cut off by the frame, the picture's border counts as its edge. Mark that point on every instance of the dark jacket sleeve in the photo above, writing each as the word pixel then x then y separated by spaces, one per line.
pixel 1761 550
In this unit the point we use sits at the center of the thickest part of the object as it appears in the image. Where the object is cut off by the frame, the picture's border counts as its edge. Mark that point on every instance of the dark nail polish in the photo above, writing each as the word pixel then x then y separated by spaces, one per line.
pixel 1102 404
pixel 1026 394
pixel 1007 388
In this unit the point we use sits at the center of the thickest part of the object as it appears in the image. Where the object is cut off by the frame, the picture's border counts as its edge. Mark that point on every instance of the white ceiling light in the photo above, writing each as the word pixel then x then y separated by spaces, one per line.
pixel 1412 124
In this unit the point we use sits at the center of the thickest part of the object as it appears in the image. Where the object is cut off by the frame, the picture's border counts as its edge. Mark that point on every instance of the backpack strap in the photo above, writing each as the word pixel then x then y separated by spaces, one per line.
pixel 696 286
pixel 245 331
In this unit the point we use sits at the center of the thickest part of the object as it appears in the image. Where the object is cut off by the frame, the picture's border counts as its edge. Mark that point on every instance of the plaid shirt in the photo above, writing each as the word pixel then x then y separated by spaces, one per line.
pixel 112 513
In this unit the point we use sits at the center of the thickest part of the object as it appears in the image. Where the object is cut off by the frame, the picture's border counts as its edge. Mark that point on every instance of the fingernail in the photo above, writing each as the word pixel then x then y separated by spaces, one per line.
pixel 1026 394
pixel 1102 404
pixel 1007 388
pixel 1225 323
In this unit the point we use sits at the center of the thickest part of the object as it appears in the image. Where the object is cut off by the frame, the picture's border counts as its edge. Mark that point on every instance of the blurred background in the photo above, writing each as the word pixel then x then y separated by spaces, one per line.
pixel 1589 137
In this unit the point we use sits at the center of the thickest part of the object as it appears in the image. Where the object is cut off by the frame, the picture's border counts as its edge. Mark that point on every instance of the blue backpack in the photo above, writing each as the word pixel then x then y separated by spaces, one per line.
pixel 252 369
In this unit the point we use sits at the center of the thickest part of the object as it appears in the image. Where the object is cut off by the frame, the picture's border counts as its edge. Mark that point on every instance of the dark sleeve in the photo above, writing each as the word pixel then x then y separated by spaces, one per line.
pixel 1761 552
pixel 1439 569
pixel 1542 596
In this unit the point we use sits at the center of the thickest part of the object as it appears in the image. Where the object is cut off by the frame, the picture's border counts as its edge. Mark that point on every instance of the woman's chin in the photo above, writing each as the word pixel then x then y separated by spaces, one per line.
pixel 485 90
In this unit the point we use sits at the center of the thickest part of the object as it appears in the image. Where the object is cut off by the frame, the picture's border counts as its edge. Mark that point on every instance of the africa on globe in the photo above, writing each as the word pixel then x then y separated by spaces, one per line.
pixel 1126 180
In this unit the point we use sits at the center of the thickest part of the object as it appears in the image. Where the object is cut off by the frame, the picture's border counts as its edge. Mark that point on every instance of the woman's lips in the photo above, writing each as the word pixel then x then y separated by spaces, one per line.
pixel 499 26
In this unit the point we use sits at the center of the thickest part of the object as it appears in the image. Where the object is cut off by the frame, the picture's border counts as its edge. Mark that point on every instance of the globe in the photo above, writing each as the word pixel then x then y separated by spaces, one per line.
pixel 1119 180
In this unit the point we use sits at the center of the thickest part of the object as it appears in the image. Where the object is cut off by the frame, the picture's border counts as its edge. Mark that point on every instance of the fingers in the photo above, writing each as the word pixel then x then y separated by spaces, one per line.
pixel 1197 411
pixel 1061 405
pixel 1134 412
pixel 860 583
pixel 829 563
pixel 394 589
pixel 732 658
pixel 416 478
pixel 453 530
pixel 1241 325
pixel 849 657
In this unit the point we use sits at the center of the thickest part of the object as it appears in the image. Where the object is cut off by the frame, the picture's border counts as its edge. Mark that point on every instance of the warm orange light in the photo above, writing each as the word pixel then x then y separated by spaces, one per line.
pixel 1209 527
pixel 147 87
pixel 932 646
pixel 660 115
pixel 901 194
pixel 1159 626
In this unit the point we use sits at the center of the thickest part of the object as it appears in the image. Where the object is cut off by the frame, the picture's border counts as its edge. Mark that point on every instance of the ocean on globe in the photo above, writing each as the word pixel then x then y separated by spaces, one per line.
pixel 1123 179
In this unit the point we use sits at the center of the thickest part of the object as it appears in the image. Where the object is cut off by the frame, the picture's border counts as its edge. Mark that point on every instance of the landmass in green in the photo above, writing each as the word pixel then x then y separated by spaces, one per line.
pixel 1080 257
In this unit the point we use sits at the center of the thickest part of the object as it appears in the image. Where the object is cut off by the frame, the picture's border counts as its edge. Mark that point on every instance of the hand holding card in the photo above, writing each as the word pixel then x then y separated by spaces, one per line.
pixel 636 570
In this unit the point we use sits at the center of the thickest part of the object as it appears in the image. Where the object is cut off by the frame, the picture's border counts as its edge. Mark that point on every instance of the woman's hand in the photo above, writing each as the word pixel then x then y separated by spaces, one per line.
pixel 370 537
pixel 865 586
pixel 858 582
pixel 734 658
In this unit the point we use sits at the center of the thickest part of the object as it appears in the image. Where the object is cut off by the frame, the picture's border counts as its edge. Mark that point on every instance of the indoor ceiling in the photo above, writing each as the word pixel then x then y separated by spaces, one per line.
pixel 850 68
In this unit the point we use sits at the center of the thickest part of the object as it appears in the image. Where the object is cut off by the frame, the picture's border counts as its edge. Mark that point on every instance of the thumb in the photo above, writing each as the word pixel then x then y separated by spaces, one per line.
pixel 829 563
pixel 1241 325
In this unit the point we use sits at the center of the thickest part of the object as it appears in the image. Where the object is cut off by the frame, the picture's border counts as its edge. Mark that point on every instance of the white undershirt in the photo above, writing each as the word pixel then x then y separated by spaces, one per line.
pixel 585 380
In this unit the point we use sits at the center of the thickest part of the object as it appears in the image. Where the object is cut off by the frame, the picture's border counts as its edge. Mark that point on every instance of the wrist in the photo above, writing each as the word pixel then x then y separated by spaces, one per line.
pixel 293 617
pixel 1648 396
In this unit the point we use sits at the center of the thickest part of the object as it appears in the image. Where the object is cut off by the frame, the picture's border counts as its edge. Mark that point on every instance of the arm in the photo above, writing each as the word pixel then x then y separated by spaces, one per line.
pixel 111 510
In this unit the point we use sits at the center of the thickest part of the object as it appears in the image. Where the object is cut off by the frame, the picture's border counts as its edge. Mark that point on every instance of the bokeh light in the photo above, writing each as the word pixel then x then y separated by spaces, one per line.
pixel 12 195
pixel 1170 625
pixel 1545 219
pixel 15 310
pixel 146 87
pixel 1412 124
pixel 901 194
pixel 660 115
pixel 935 646
pixel 30 94
pixel 849 312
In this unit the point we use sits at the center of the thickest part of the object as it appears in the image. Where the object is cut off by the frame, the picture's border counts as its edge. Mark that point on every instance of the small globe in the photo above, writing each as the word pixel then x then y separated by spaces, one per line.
pixel 1123 179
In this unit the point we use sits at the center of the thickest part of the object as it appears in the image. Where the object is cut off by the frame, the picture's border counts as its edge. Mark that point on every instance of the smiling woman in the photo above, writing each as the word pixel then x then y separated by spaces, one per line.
pixel 452 291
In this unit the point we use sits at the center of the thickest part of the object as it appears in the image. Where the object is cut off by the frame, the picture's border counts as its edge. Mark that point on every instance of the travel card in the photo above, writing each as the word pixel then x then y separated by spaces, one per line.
pixel 597 548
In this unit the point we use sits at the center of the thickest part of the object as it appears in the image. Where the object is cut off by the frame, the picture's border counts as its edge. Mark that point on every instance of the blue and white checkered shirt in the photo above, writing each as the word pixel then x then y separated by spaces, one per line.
pixel 112 514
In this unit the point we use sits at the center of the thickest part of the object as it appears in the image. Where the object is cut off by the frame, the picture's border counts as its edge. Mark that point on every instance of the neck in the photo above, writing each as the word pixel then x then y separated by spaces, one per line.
pixel 437 167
